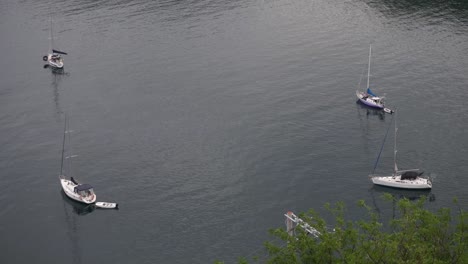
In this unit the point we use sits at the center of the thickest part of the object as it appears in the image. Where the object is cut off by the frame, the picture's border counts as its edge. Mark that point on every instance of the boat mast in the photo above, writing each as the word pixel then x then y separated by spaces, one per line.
pixel 394 148
pixel 382 147
pixel 368 68
pixel 63 145
pixel 70 148
pixel 50 35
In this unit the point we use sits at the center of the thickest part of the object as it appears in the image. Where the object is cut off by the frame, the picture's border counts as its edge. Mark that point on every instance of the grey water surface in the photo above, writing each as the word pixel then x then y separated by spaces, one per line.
pixel 208 120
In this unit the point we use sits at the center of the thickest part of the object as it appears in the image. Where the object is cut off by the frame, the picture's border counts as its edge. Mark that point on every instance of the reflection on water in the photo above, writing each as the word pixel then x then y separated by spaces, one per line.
pixel 73 225
pixel 78 208
pixel 56 79
pixel 367 111
pixel 451 15
pixel 377 193
pixel 403 193
pixel 224 106
pixel 398 7
pixel 55 71
pixel 175 10
pixel 57 75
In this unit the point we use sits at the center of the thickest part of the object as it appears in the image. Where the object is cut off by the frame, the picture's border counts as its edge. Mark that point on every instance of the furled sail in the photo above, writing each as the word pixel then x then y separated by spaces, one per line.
pixel 370 92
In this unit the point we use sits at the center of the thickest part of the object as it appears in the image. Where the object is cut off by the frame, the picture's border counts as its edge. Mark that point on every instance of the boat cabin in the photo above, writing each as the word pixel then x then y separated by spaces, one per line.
pixel 411 175
pixel 84 190
pixel 376 99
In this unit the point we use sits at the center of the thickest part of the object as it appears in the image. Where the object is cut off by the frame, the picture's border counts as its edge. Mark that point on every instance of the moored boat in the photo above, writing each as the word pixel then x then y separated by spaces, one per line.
pixel 54 57
pixel 403 179
pixel 79 192
pixel 368 97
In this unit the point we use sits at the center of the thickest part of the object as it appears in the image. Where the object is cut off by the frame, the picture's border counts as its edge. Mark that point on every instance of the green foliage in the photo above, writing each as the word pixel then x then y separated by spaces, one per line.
pixel 416 235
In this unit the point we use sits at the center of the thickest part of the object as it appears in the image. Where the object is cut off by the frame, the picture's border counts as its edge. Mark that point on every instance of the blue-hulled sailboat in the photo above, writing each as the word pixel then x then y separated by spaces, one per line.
pixel 368 97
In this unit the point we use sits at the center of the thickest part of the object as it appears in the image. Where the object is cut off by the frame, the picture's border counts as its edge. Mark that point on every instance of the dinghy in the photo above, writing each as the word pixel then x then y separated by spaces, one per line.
pixel 106 205
pixel 403 179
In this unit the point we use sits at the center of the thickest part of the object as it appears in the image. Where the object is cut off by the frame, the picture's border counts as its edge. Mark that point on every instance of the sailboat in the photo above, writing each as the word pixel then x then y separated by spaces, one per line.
pixel 80 192
pixel 403 179
pixel 53 57
pixel 368 97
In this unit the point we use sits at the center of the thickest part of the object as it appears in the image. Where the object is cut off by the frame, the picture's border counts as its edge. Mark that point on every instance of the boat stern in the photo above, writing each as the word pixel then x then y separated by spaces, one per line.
pixel 87 196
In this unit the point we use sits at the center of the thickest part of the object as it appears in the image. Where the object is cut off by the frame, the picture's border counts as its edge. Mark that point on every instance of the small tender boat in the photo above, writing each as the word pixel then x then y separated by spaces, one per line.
pixel 53 57
pixel 368 97
pixel 404 179
pixel 106 205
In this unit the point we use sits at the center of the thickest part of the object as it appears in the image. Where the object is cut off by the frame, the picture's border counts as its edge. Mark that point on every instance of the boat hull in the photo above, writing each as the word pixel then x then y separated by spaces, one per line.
pixel 369 100
pixel 68 188
pixel 396 182
pixel 55 65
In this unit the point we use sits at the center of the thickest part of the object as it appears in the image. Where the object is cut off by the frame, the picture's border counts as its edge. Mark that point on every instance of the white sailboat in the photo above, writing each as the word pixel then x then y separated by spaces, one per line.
pixel 368 97
pixel 403 179
pixel 53 57
pixel 80 192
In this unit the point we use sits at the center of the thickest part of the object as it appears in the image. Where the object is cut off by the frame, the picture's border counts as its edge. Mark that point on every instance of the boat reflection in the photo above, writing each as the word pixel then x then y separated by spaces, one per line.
pixel 411 195
pixel 78 208
pixel 396 194
pixel 59 71
pixel 57 78
pixel 73 225
pixel 57 75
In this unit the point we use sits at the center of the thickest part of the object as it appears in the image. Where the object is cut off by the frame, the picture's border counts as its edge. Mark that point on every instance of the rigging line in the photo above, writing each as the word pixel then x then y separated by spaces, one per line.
pixel 70 148
pixel 360 79
pixel 63 145
pixel 383 143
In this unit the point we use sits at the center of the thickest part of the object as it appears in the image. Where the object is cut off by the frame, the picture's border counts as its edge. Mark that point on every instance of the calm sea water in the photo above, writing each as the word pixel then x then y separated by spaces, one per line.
pixel 208 120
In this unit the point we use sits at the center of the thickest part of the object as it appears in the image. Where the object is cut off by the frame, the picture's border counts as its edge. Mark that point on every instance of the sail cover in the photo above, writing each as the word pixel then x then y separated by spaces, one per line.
pixel 410 175
pixel 370 92
pixel 83 187
pixel 59 52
